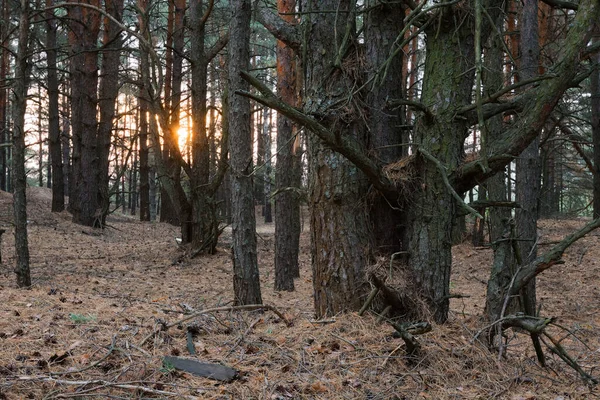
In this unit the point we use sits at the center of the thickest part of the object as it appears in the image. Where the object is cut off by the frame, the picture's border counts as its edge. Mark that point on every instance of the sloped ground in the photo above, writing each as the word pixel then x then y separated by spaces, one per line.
pixel 96 296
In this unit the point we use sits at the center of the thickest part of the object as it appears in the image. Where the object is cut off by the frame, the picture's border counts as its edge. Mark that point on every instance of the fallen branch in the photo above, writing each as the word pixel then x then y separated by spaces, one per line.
pixel 103 383
pixel 368 301
pixel 561 352
pixel 537 326
pixel 248 307
pixel 408 331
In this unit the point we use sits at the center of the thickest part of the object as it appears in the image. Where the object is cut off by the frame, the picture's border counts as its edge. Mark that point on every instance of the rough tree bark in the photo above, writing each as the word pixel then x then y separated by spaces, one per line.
pixel 83 35
pixel 528 166
pixel 595 94
pixel 205 224
pixel 144 159
pixel 385 120
pixel 287 232
pixel 5 136
pixel 499 227
pixel 341 244
pixel 58 185
pixel 246 282
pixel 19 176
pixel 445 115
pixel 109 89
pixel 267 169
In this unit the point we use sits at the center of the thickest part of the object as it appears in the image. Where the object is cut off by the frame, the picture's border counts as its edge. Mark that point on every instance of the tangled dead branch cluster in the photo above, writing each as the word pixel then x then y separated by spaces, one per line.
pixel 402 173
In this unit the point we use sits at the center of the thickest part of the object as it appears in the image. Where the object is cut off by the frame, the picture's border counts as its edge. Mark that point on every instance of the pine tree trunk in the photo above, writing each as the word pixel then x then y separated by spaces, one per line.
pixel 503 265
pixel 286 200
pixel 595 94
pixel 83 200
pixel 5 136
pixel 246 282
pixel 145 214
pixel 20 84
pixel 340 237
pixel 205 225
pixel 382 25
pixel 266 189
pixel 58 185
pixel 170 211
pixel 433 207
pixel 108 91
pixel 528 164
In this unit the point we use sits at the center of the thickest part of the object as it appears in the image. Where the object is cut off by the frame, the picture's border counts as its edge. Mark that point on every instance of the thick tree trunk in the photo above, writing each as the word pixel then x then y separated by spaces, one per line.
pixel 503 266
pixel 20 85
pixel 58 185
pixel 341 240
pixel 287 232
pixel 528 164
pixel 85 27
pixel 433 207
pixel 109 89
pixel 387 83
pixel 246 282
pixel 205 225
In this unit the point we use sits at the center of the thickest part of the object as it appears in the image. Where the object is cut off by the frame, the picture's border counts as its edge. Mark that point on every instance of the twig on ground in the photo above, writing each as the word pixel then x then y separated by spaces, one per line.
pixel 92 365
pixel 243 335
pixel 249 307
pixel 105 384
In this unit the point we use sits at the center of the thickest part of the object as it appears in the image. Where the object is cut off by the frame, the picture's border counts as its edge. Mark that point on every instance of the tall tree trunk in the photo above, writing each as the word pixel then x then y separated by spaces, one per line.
pixel 109 89
pixel 341 241
pixel 65 140
pixel 287 232
pixel 267 170
pixel 204 223
pixel 259 172
pixel 85 27
pixel 20 86
pixel 549 190
pixel 58 185
pixel 446 90
pixel 171 211
pixel 5 136
pixel 246 282
pixel 528 164
pixel 503 265
pixel 595 94
pixel 40 160
pixel 387 83
pixel 144 162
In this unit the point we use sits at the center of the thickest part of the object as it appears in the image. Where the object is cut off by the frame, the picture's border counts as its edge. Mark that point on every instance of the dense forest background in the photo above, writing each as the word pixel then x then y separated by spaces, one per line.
pixel 402 128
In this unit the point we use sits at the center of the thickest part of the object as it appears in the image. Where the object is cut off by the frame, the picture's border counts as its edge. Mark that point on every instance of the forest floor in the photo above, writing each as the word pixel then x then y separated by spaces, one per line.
pixel 96 295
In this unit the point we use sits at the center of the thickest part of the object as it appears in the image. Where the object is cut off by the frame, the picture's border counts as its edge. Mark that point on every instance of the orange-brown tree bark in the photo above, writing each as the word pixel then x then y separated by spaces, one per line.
pixel 287 205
